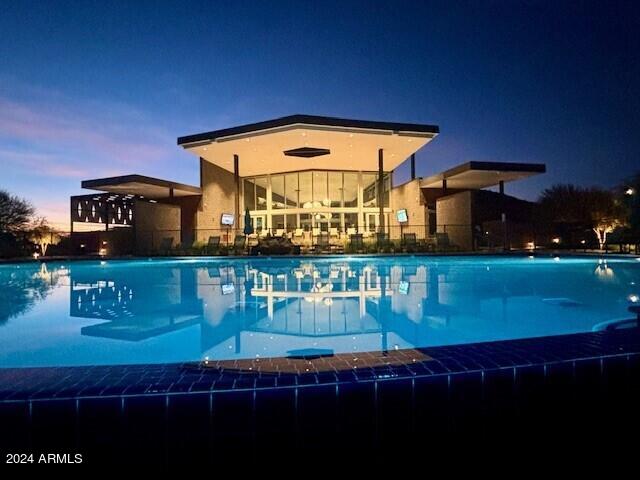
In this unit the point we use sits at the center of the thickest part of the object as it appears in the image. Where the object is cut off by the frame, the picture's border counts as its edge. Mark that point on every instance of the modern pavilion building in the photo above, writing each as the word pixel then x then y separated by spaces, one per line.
pixel 302 176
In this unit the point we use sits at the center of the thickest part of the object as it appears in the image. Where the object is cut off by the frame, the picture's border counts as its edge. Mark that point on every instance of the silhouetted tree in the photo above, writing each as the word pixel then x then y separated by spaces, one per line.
pixel 15 213
pixel 592 208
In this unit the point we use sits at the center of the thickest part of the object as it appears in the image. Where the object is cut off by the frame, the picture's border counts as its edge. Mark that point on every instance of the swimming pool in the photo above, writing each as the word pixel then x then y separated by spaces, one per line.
pixel 183 309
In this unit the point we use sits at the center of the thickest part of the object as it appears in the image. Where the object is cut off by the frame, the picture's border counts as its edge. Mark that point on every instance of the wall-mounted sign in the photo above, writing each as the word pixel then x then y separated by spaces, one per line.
pixel 227 219
pixel 402 216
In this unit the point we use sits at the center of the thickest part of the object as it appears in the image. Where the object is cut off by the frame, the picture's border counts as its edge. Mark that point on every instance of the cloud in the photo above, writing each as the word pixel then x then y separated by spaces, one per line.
pixel 43 164
pixel 50 140
pixel 91 130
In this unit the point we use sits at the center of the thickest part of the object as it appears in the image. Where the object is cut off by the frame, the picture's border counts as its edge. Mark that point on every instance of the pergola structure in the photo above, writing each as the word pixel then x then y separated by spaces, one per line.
pixel 116 206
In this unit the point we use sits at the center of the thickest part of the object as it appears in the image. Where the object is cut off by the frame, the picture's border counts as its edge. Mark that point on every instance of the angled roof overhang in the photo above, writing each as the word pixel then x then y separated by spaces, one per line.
pixel 351 144
pixel 478 175
pixel 147 187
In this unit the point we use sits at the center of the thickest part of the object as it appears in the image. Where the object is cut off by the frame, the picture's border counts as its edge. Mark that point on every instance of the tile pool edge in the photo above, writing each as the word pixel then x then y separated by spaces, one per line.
pixel 121 381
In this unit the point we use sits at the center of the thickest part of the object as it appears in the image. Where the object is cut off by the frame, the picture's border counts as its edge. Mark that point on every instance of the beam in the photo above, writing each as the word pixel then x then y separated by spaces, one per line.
pixel 236 176
pixel 381 189
pixel 413 166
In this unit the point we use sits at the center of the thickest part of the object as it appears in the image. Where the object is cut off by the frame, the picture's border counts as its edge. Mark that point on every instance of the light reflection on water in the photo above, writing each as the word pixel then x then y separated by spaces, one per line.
pixel 119 312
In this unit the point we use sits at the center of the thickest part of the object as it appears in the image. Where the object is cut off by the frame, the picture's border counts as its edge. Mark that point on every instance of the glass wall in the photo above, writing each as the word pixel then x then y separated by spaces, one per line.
pixel 316 201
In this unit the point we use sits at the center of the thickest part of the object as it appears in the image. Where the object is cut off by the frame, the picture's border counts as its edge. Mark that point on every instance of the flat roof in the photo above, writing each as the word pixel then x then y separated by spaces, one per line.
pixel 142 185
pixel 306 142
pixel 477 175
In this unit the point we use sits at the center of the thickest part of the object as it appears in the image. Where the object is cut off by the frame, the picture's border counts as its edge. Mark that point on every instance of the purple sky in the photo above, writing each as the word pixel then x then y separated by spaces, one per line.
pixel 92 89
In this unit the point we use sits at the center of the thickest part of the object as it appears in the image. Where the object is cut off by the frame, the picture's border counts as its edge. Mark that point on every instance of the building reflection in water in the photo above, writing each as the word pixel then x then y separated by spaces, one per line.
pixel 252 310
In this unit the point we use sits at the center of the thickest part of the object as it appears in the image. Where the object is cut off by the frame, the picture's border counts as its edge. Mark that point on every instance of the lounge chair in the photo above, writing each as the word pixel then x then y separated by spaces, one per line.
pixel 409 241
pixel 382 240
pixel 166 244
pixel 298 235
pixel 238 244
pixel 213 245
pixel 322 243
pixel 356 243
pixel 443 242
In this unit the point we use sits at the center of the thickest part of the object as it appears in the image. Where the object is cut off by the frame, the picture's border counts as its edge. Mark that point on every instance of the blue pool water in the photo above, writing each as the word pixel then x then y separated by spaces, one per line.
pixel 174 310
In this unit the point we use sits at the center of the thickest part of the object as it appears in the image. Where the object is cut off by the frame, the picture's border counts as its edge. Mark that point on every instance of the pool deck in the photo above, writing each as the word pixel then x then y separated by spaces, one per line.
pixel 511 357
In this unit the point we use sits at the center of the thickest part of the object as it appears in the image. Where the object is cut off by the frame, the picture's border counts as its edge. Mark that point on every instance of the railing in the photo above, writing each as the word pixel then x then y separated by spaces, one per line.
pixel 490 236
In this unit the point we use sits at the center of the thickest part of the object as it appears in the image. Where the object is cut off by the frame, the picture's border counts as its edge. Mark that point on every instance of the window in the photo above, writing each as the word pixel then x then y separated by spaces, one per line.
pixel 277 223
pixel 320 193
pixel 277 191
pixel 292 222
pixel 350 189
pixel 369 195
pixel 305 189
pixel 305 221
pixel 335 189
pixel 249 194
pixel 386 180
pixel 291 190
pixel 261 193
pixel 351 220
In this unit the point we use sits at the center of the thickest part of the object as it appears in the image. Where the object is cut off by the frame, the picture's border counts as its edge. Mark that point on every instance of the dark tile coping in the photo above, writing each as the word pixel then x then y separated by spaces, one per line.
pixel 57 383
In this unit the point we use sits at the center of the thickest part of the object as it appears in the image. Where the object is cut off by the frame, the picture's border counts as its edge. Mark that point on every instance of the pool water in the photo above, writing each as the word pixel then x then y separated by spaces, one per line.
pixel 175 310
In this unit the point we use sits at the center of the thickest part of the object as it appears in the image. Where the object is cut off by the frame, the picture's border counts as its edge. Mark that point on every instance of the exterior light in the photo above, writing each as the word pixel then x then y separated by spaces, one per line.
pixel 102 252
pixel 630 191
pixel 531 245
pixel 633 298
pixel 557 259
pixel 583 242
pixel 556 240
pixel 36 255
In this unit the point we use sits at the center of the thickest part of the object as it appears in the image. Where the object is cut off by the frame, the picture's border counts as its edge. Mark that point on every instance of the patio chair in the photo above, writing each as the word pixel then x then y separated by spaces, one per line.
pixel 298 235
pixel 443 242
pixel 213 245
pixel 382 239
pixel 356 242
pixel 409 241
pixel 166 244
pixel 239 244
pixel 322 243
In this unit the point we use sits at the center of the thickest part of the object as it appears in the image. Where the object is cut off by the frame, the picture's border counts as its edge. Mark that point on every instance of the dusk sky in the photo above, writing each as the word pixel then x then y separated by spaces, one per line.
pixel 94 89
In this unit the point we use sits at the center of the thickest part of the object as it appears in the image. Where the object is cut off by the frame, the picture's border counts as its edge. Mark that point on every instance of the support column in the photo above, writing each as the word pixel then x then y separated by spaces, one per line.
pixel 236 176
pixel 413 166
pixel 501 187
pixel 381 189
pixel 444 186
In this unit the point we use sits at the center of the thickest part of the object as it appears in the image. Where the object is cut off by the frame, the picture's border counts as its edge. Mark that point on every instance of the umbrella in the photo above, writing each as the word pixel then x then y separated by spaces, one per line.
pixel 248 224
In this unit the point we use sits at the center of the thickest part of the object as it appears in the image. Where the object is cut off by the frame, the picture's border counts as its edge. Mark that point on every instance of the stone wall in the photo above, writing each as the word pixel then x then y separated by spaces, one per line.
pixel 154 222
pixel 454 214
pixel 218 197
pixel 409 197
